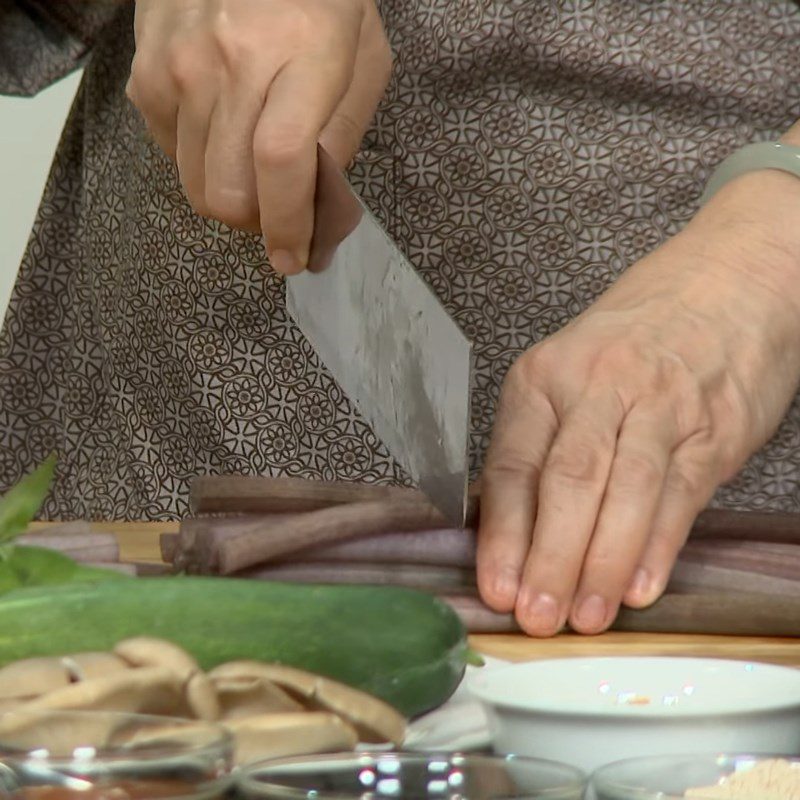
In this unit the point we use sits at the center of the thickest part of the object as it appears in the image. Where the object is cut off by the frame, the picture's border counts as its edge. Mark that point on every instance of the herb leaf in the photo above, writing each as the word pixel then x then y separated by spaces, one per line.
pixel 21 502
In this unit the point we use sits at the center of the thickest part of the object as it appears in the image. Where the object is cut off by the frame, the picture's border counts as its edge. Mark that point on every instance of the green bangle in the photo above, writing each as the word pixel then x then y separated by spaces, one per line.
pixel 762 155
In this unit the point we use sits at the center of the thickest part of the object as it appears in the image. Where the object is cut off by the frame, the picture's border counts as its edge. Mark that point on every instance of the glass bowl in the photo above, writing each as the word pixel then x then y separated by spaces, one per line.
pixel 406 776
pixel 671 777
pixel 104 755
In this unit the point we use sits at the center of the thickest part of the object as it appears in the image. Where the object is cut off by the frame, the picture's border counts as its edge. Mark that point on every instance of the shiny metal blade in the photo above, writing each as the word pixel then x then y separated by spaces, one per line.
pixel 395 351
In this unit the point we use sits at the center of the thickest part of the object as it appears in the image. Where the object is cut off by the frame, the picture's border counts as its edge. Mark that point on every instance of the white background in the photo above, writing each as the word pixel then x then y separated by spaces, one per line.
pixel 29 131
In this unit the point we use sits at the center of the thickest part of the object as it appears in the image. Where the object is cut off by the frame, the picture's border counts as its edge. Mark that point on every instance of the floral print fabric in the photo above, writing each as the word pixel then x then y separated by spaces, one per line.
pixel 525 154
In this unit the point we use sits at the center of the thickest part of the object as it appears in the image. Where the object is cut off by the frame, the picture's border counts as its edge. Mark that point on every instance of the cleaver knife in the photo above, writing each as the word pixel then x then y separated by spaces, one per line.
pixel 387 340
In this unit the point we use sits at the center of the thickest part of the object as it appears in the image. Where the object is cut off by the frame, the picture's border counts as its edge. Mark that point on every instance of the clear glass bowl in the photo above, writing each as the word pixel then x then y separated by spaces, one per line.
pixel 670 777
pixel 405 776
pixel 104 755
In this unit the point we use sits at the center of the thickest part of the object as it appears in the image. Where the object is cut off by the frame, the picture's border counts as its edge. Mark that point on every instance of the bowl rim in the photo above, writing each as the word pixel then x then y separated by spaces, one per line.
pixel 220 737
pixel 488 694
pixel 600 780
pixel 246 779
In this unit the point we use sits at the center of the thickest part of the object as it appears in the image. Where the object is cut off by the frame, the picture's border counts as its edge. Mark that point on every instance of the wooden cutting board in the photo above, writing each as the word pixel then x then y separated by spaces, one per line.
pixel 139 542
pixel 748 648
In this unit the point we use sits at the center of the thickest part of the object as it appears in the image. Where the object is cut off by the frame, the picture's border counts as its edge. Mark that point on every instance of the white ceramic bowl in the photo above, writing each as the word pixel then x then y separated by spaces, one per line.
pixel 592 711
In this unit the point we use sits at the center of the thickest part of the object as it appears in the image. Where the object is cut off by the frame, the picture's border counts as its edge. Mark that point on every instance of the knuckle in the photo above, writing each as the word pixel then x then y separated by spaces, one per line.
pixel 231 43
pixel 139 89
pixel 184 65
pixel 533 368
pixel 685 481
pixel 280 146
pixel 236 209
pixel 580 465
pixel 635 471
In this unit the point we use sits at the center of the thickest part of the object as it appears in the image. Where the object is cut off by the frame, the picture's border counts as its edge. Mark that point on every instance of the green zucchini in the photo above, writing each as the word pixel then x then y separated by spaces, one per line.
pixel 405 647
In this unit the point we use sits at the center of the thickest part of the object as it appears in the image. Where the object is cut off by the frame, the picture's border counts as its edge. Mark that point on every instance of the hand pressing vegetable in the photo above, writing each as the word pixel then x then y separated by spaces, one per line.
pixel 612 435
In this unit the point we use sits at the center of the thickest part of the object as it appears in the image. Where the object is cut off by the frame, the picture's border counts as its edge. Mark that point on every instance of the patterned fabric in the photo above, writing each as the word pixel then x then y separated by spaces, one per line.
pixel 525 154
pixel 42 41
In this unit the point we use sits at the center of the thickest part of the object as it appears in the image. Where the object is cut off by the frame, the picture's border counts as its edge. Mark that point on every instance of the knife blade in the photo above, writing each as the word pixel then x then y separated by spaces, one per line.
pixel 387 340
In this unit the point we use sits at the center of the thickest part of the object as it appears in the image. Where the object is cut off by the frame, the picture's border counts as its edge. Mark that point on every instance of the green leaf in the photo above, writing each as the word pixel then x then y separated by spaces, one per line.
pixel 37 566
pixel 21 502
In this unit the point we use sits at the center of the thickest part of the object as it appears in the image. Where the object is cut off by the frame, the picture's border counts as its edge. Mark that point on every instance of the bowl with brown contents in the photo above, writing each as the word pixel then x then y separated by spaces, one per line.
pixel 104 755
pixel 710 777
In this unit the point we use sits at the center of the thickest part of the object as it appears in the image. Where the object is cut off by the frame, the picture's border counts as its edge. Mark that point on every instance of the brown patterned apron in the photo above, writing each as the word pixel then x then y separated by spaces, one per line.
pixel 525 154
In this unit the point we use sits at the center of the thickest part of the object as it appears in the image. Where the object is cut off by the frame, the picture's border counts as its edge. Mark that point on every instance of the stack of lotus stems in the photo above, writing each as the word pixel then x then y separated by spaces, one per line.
pixel 738 574
pixel 81 542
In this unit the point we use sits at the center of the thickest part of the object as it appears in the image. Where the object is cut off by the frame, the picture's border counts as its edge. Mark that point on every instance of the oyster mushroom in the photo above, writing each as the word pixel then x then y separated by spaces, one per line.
pixel 250 696
pixel 201 697
pixel 290 734
pixel 149 690
pixel 13 703
pixel 374 720
pixel 54 731
pixel 146 651
pixel 87 666
pixel 31 677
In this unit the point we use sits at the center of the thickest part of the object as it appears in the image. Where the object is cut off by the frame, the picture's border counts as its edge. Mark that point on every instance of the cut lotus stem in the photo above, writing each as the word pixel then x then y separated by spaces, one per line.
pixel 80 546
pixel 335 524
pixel 447 547
pixel 726 614
pixel 412 576
pixel 690 577
pixel 241 494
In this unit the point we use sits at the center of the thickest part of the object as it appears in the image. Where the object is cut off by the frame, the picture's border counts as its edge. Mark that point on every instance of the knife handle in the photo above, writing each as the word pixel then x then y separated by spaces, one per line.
pixel 337 212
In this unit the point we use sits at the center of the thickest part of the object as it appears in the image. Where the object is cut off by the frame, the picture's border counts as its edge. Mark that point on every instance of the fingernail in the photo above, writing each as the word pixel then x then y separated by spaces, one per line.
pixel 591 613
pixel 640 585
pixel 540 612
pixel 506 584
pixel 284 262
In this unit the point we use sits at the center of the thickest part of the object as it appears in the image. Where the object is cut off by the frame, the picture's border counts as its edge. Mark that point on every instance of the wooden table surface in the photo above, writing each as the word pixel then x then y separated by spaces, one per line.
pixel 139 542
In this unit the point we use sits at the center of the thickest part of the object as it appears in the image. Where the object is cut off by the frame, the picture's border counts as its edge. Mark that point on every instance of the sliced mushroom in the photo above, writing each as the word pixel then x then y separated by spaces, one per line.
pixel 31 677
pixel 201 697
pixel 249 697
pixel 87 666
pixel 13 703
pixel 149 690
pixel 290 734
pixel 186 734
pixel 375 720
pixel 146 651
pixel 53 731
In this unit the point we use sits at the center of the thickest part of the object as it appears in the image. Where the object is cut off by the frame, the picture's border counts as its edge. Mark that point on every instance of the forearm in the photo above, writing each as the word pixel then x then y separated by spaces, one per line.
pixel 759 213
